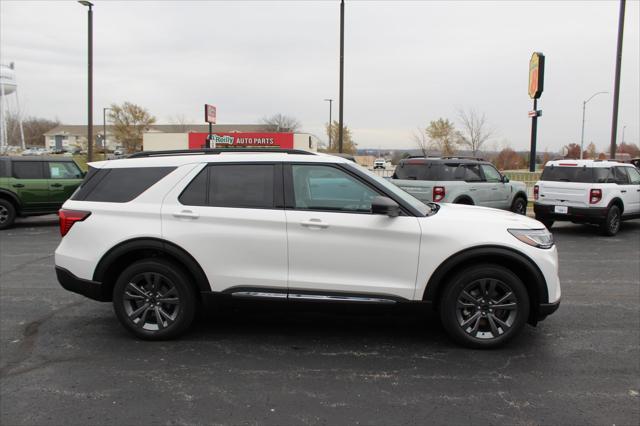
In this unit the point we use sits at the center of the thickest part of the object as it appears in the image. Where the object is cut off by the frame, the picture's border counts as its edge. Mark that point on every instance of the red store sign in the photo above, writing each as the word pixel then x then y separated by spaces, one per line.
pixel 267 140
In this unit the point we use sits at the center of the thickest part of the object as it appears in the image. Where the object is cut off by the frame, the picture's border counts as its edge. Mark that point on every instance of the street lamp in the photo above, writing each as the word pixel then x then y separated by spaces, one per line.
pixel 104 129
pixel 330 122
pixel 584 106
pixel 90 80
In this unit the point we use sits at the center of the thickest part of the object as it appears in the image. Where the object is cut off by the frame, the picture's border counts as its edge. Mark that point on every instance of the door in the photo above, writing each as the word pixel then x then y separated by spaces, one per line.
pixel 230 218
pixel 627 190
pixel 336 245
pixel 497 192
pixel 634 188
pixel 29 183
pixel 64 178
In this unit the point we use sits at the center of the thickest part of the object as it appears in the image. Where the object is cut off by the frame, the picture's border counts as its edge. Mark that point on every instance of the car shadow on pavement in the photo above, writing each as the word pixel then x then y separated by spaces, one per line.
pixel 35 221
pixel 578 229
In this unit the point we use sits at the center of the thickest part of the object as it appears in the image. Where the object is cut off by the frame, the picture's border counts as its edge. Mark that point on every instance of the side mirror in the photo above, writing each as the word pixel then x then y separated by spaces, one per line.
pixel 386 206
pixel 505 179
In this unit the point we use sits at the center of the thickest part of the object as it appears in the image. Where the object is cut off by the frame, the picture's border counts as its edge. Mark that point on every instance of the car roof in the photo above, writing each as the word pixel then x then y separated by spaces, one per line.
pixel 585 163
pixel 225 157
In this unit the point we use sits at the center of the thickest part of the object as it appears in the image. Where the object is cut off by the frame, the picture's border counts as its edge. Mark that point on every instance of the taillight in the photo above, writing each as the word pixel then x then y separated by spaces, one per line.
pixel 438 193
pixel 536 192
pixel 595 195
pixel 69 217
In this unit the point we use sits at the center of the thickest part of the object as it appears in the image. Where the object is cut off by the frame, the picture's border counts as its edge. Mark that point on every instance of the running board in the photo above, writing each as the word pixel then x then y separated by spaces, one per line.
pixel 311 297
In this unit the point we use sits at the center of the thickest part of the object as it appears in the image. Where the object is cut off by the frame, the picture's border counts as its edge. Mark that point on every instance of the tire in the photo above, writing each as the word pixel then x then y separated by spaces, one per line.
pixel 7 214
pixel 478 324
pixel 519 206
pixel 612 222
pixel 548 223
pixel 136 288
pixel 463 201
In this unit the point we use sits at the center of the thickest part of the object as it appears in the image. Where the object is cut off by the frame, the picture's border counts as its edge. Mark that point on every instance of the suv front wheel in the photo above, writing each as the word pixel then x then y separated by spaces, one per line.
pixel 154 300
pixel 484 306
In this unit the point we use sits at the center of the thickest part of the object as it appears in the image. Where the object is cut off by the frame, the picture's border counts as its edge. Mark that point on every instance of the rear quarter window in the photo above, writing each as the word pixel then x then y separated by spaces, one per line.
pixel 119 185
pixel 28 170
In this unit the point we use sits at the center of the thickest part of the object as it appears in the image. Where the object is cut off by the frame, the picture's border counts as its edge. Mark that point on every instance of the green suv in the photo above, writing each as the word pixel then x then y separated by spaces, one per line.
pixel 35 186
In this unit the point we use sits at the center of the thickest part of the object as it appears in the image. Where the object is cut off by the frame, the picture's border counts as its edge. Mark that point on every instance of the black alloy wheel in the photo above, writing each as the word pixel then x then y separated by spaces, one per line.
pixel 484 306
pixel 154 300
pixel 612 222
pixel 519 206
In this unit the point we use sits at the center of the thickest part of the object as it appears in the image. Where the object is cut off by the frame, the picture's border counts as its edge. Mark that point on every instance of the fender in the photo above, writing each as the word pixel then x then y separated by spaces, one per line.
pixel 465 198
pixel 155 245
pixel 534 280
pixel 12 196
pixel 520 194
pixel 618 201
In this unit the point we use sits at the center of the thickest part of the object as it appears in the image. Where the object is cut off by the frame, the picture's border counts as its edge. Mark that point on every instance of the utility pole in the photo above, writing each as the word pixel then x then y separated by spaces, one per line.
pixel 341 124
pixel 616 90
pixel 330 122
pixel 90 80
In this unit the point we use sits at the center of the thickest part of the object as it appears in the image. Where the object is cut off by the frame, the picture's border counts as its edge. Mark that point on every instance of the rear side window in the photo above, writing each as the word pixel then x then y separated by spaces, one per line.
pixel 28 170
pixel 621 176
pixel 232 185
pixel 119 185
pixel 577 174
pixel 409 171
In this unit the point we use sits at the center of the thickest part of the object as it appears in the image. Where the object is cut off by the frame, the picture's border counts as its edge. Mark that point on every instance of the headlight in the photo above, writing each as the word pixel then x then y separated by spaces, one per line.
pixel 540 238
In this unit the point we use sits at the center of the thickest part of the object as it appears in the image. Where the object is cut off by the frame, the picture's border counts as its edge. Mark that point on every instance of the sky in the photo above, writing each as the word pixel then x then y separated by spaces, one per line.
pixel 406 63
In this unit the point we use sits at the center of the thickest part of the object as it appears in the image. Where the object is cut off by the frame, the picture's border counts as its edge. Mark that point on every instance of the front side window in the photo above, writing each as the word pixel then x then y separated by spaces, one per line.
pixel 64 170
pixel 232 185
pixel 634 175
pixel 491 174
pixel 28 170
pixel 327 188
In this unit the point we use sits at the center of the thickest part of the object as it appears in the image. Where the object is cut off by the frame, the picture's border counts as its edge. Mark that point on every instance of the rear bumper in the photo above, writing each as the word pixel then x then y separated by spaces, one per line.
pixel 91 289
pixel 575 214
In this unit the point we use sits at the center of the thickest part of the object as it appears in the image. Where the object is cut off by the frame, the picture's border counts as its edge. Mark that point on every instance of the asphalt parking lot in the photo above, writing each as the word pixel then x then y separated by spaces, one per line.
pixel 66 360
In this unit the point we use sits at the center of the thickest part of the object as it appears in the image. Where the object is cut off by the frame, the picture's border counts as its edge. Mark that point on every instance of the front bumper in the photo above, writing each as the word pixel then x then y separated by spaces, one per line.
pixel 575 214
pixel 91 289
pixel 546 309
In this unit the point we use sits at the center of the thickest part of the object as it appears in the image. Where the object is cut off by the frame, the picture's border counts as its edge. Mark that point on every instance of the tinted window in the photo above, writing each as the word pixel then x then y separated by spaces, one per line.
pixel 331 189
pixel 195 194
pixel 28 170
pixel 621 176
pixel 473 173
pixel 64 170
pixel 244 185
pixel 491 174
pixel 634 175
pixel 412 171
pixel 119 185
pixel 4 168
pixel 576 174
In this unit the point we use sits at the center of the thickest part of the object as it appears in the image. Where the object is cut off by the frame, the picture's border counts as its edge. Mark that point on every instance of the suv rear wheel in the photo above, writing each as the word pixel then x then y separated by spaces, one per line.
pixel 7 214
pixel 611 224
pixel 154 300
pixel 484 306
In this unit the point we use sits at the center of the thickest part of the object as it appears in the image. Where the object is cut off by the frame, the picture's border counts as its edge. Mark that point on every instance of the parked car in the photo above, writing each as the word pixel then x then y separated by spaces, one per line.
pixel 35 185
pixel 380 163
pixel 460 181
pixel 159 235
pixel 603 193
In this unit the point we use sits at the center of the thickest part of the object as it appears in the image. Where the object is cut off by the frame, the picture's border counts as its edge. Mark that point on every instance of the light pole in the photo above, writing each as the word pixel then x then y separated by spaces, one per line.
pixel 90 79
pixel 330 122
pixel 104 129
pixel 341 100
pixel 623 127
pixel 584 107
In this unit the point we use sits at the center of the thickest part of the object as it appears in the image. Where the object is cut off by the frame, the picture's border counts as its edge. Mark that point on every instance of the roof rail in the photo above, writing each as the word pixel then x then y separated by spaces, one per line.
pixel 204 151
pixel 460 157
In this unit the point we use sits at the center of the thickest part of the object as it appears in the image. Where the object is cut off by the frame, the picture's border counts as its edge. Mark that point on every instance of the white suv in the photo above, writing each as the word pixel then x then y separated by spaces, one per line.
pixel 163 234
pixel 588 191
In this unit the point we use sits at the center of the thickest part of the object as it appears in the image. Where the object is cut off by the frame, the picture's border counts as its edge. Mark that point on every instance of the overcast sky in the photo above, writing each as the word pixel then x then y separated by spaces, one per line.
pixel 406 63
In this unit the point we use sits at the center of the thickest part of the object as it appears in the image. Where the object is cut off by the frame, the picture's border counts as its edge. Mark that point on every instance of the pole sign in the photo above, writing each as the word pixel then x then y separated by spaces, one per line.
pixel 536 75
pixel 209 114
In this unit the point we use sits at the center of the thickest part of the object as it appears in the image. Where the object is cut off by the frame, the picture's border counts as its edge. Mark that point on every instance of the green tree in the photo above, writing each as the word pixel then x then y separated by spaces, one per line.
pixel 129 122
pixel 348 145
pixel 443 136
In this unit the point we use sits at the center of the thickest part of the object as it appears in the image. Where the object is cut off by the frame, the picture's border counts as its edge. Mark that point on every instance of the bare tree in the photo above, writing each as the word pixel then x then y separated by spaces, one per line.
pixel 181 121
pixel 422 141
pixel 130 121
pixel 281 123
pixel 475 131
pixel 34 130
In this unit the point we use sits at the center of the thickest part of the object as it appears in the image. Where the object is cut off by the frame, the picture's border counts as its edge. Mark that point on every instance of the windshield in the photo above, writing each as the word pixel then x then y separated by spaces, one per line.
pixel 408 198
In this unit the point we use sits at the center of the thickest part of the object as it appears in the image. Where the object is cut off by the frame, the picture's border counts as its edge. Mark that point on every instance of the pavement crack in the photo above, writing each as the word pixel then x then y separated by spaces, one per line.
pixel 24 265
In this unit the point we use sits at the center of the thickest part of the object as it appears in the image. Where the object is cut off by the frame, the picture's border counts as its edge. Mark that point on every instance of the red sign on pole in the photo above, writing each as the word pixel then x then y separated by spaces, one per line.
pixel 210 114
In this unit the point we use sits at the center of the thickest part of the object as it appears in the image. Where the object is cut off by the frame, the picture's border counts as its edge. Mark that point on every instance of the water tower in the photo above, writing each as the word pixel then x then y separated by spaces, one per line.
pixel 8 87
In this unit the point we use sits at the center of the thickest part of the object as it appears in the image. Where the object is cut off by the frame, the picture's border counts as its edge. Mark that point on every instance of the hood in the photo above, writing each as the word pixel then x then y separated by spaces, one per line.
pixel 479 215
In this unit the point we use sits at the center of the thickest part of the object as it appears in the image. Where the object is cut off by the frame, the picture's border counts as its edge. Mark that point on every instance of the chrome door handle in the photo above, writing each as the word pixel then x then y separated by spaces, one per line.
pixel 186 214
pixel 314 223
